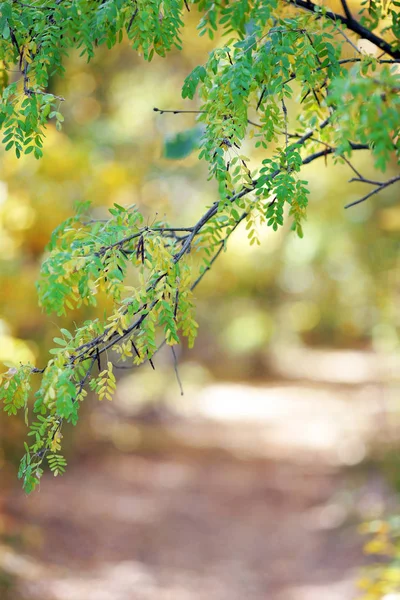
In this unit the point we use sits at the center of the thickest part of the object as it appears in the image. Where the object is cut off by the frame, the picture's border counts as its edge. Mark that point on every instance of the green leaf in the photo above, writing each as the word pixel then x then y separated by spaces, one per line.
pixel 182 144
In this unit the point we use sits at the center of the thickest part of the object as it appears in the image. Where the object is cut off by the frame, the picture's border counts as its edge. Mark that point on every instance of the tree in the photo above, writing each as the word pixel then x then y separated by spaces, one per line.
pixel 270 53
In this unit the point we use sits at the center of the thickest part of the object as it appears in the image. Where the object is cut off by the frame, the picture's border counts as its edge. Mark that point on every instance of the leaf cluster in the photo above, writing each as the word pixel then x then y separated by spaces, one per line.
pixel 272 56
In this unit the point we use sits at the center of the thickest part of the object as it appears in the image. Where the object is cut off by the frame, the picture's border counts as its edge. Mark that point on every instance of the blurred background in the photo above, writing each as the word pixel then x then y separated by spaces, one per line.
pixel 254 483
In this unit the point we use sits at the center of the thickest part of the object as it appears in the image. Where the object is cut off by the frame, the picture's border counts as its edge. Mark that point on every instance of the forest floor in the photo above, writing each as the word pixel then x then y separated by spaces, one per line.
pixel 256 493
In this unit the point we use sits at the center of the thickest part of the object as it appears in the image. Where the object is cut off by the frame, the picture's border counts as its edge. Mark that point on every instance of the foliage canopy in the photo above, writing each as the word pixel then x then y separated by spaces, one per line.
pixel 269 53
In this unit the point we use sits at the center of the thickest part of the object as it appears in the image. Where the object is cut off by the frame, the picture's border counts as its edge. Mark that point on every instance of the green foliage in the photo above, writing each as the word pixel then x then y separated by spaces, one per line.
pixel 105 384
pixel 36 37
pixel 270 54
pixel 57 464
pixel 357 119
pixel 382 578
pixel 15 388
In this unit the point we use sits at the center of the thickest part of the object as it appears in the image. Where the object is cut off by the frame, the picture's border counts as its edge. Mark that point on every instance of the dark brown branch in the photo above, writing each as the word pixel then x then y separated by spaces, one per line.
pixel 351 24
pixel 346 10
pixel 132 19
pixel 327 151
pixel 15 41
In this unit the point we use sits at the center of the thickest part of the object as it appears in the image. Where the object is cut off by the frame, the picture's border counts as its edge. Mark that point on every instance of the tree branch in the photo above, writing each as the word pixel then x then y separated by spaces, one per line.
pixel 100 344
pixel 346 9
pixel 87 349
pixel 350 23
pixel 178 379
pixel 195 112
pixel 379 188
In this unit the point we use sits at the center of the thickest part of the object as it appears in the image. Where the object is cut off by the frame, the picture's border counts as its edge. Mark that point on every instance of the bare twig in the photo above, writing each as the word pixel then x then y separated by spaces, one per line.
pixel 379 188
pixel 176 370
pixel 254 124
pixel 349 41
pixel 44 93
pixel 352 167
pixel 193 112
pixel 177 112
pixel 285 117
pixel 362 179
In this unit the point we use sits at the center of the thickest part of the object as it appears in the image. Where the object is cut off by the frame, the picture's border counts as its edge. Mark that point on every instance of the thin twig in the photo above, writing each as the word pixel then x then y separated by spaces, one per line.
pixel 285 116
pixel 352 167
pixel 222 246
pixel 44 93
pixel 254 124
pixel 193 112
pixel 378 189
pixel 177 112
pixel 87 375
pixel 176 370
pixel 348 40
pixel 362 179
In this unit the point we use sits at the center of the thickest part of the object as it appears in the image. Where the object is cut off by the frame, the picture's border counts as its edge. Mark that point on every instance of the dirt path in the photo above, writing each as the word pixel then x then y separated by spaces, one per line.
pixel 224 517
